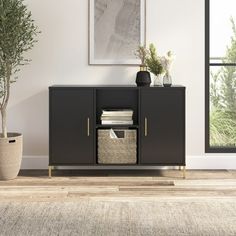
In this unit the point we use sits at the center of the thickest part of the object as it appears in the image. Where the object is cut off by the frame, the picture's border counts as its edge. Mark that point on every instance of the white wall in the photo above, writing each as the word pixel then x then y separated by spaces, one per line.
pixel 61 57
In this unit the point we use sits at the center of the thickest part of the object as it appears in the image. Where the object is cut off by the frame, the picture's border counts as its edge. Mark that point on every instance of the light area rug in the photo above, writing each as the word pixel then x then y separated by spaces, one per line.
pixel 107 218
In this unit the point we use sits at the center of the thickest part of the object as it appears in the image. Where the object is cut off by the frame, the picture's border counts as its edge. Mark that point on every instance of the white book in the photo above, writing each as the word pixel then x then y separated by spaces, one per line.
pixel 123 118
pixel 117 112
pixel 117 122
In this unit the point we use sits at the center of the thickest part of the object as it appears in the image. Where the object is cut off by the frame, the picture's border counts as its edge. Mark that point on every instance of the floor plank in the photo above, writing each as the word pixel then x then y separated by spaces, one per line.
pixel 118 185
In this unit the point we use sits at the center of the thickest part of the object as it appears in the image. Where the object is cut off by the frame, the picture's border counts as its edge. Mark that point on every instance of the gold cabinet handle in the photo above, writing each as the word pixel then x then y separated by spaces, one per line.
pixel 145 127
pixel 88 127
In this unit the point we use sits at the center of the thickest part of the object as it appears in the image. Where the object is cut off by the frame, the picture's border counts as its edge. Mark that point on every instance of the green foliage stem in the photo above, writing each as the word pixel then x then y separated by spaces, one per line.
pixel 153 62
pixel 142 53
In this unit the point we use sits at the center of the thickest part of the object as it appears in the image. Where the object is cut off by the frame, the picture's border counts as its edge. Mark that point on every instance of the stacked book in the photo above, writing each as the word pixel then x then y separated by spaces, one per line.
pixel 117 117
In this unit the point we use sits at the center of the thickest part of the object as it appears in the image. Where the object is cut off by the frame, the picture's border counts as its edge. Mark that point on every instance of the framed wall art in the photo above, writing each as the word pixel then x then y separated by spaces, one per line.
pixel 116 29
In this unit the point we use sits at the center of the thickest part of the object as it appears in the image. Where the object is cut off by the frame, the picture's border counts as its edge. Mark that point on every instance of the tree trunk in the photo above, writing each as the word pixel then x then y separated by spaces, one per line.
pixel 5 100
pixel 4 122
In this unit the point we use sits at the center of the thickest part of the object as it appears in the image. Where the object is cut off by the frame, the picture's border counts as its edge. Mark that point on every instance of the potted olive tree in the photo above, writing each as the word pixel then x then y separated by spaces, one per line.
pixel 17 36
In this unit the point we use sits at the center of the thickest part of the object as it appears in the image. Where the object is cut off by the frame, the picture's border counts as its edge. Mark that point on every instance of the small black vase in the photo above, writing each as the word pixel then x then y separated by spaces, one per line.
pixel 143 78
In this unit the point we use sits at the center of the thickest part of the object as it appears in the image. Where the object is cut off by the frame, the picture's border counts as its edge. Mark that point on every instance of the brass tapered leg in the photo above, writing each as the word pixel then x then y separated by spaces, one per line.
pixel 49 171
pixel 184 172
pixel 179 168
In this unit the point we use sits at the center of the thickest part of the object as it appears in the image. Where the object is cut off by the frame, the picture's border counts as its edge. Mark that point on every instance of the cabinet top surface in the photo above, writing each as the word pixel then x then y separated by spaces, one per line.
pixel 114 86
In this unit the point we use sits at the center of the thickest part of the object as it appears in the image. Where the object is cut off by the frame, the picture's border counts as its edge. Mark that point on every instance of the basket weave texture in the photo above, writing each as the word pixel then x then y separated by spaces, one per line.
pixel 117 150
pixel 10 156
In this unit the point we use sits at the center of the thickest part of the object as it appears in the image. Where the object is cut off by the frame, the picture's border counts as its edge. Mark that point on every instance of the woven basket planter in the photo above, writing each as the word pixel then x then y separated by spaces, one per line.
pixel 10 156
pixel 117 150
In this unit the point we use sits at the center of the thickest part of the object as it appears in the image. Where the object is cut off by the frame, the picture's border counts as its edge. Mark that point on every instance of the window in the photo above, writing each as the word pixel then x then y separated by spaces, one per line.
pixel 220 76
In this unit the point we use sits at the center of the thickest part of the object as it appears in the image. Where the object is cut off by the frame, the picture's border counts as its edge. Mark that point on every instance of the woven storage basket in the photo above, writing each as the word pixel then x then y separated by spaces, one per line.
pixel 117 150
pixel 10 156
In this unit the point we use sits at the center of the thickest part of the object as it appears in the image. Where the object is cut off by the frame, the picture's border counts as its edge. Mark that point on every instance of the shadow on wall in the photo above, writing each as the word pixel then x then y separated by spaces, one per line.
pixel 117 75
pixel 30 117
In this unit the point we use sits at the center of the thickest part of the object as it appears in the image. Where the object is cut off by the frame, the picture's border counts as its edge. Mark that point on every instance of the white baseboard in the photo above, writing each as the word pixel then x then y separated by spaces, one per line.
pixel 207 162
pixel 211 162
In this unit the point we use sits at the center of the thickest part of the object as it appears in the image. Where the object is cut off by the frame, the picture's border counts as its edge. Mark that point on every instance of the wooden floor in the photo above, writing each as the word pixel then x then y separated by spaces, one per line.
pixel 122 185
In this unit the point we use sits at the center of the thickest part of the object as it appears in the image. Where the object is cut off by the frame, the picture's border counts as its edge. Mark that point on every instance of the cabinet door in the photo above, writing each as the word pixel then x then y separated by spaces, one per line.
pixel 71 126
pixel 163 126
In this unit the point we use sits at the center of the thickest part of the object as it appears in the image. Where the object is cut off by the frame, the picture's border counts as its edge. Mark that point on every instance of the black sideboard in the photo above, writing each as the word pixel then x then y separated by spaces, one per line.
pixel 74 118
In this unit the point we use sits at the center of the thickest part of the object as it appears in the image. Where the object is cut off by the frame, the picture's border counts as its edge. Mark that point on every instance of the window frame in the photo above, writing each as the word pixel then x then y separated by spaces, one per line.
pixel 208 148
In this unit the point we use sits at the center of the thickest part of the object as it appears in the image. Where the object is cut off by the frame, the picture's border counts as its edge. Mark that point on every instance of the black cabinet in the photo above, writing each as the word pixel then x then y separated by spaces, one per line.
pixel 159 118
pixel 71 126
pixel 162 127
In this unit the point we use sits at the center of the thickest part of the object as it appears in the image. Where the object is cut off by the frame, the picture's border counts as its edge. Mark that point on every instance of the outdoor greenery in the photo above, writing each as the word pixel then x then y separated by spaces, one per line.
pixel 17 36
pixel 223 99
